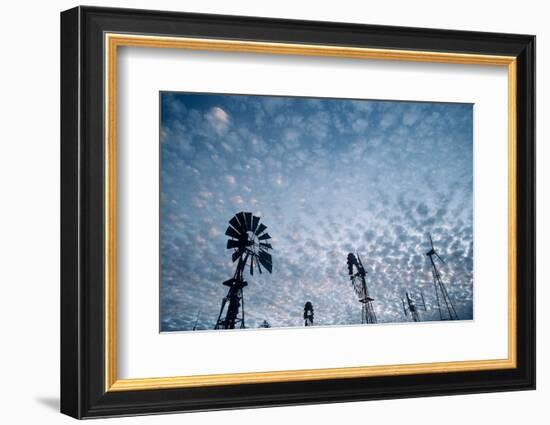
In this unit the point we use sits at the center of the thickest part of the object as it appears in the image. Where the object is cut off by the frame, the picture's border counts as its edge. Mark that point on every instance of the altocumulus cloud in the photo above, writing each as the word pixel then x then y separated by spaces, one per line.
pixel 327 177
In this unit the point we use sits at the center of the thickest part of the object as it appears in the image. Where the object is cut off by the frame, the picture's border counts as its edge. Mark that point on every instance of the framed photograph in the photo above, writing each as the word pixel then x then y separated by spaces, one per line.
pixel 261 212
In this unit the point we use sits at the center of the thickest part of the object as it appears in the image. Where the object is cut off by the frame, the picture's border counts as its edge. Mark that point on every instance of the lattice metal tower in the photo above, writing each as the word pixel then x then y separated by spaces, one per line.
pixel 441 294
pixel 360 287
pixel 409 306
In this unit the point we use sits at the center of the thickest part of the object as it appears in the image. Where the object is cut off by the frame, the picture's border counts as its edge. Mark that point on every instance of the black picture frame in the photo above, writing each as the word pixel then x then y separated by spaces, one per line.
pixel 83 392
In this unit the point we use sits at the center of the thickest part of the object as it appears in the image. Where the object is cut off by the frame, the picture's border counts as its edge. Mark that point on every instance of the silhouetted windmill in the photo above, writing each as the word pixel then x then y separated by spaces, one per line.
pixel 409 306
pixel 250 247
pixel 265 324
pixel 308 314
pixel 360 287
pixel 196 320
pixel 440 289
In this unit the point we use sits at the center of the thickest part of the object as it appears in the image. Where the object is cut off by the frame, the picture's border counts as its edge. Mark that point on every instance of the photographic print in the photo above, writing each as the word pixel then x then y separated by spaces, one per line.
pixel 279 211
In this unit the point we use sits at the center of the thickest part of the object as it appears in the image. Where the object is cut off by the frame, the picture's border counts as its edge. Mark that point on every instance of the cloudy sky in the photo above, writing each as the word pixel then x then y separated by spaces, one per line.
pixel 327 177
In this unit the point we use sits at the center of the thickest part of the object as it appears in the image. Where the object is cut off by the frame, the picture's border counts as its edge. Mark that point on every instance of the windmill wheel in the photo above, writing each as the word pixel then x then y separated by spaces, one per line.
pixel 249 241
pixel 355 262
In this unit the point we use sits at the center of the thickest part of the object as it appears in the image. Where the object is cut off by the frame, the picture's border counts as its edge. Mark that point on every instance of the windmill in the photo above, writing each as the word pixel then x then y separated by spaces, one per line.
pixel 308 314
pixel 196 320
pixel 441 293
pixel 409 306
pixel 360 287
pixel 265 324
pixel 250 248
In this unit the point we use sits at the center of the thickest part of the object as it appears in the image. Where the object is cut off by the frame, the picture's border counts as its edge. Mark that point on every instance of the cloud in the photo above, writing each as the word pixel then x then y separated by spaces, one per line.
pixel 219 119
pixel 360 125
pixel 213 232
pixel 327 177
pixel 237 200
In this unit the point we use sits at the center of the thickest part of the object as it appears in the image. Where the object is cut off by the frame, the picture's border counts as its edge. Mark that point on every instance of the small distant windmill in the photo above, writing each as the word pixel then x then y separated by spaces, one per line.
pixel 409 306
pixel 308 314
pixel 196 320
pixel 360 287
pixel 250 247
pixel 265 324
pixel 441 293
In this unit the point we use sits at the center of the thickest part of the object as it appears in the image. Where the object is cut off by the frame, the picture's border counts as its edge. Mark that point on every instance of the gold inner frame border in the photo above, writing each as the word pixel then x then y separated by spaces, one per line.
pixel 111 43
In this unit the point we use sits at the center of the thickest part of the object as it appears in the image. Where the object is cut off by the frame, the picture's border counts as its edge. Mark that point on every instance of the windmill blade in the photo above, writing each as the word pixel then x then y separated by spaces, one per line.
pixel 351 262
pixel 267 265
pixel 258 264
pixel 232 244
pixel 264 237
pixel 242 220
pixel 235 223
pixel 260 229
pixel 245 259
pixel 266 245
pixel 255 221
pixel 248 220
pixel 431 242
pixel 264 256
pixel 252 266
pixel 441 259
pixel 237 254
pixel 265 260
pixel 232 232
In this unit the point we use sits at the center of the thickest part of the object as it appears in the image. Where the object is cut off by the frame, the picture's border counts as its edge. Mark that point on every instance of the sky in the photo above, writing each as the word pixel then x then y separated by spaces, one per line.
pixel 327 177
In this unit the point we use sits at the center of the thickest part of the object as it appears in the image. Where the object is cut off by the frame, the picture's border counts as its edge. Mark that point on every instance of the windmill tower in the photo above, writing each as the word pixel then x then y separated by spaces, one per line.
pixel 360 287
pixel 409 306
pixel 441 294
pixel 248 242
pixel 308 314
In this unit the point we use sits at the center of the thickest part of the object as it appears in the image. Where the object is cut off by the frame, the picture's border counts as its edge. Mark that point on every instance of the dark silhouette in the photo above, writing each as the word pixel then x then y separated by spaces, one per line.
pixel 360 287
pixel 308 314
pixel 409 306
pixel 249 245
pixel 440 287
